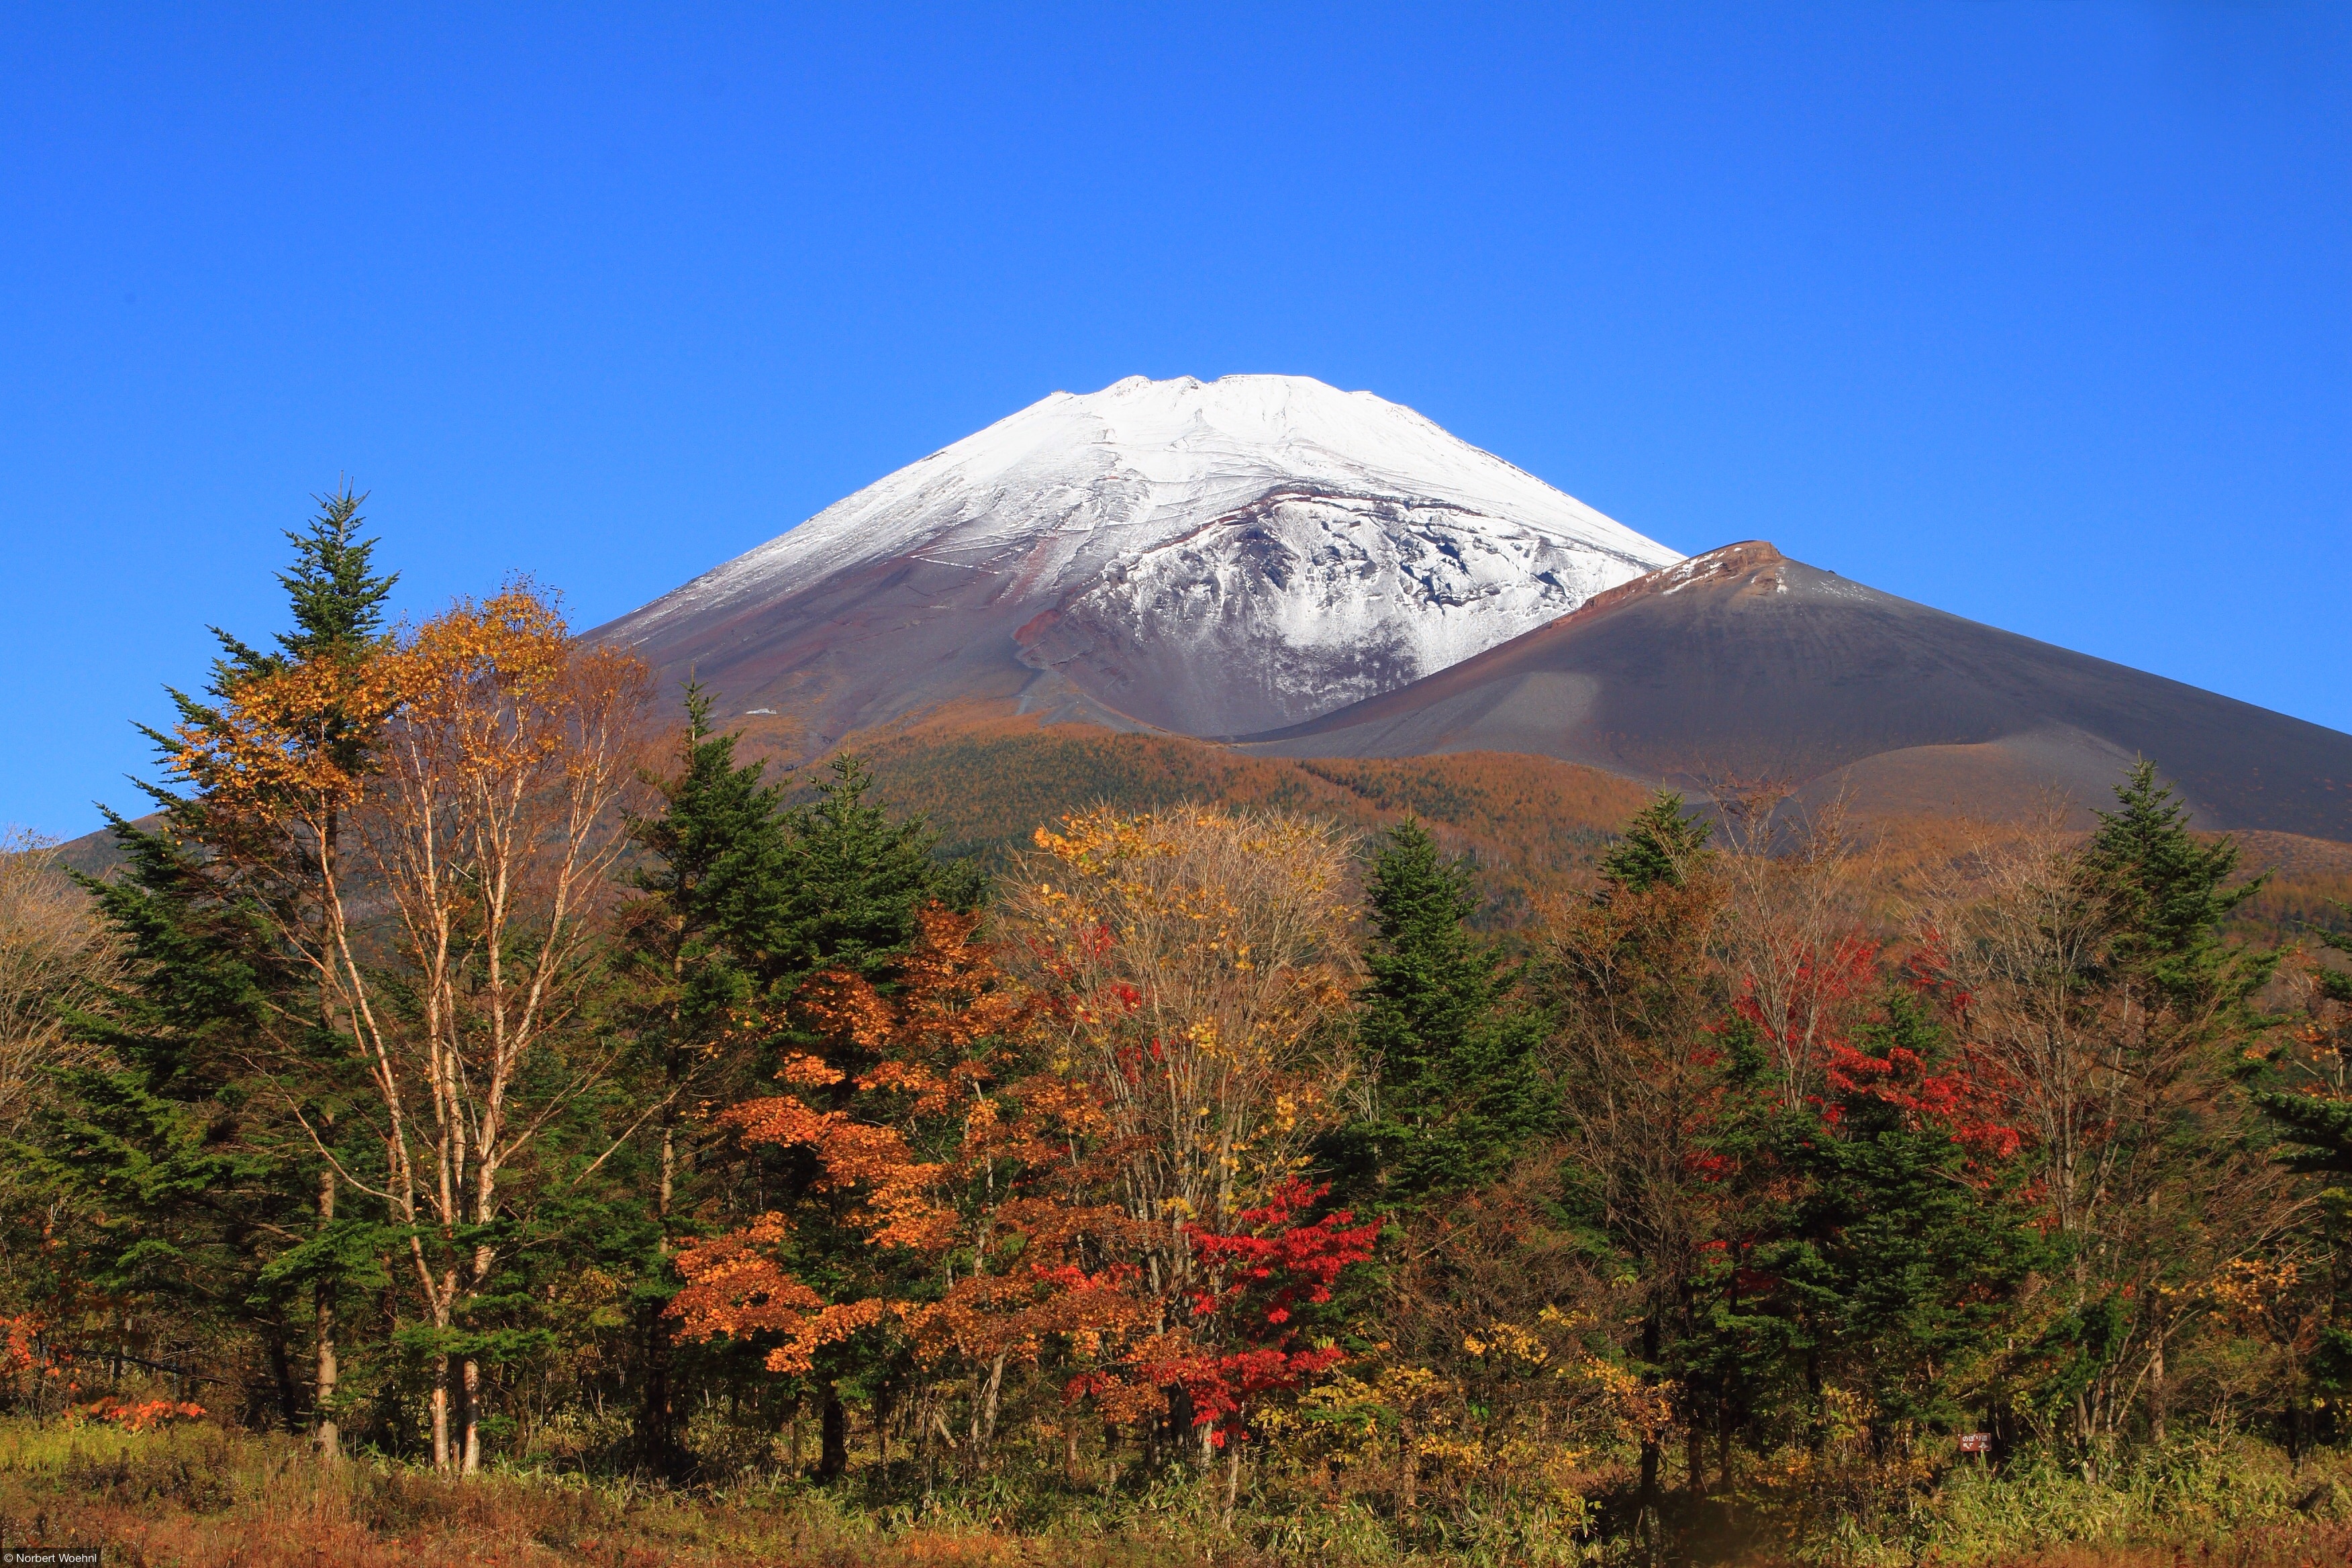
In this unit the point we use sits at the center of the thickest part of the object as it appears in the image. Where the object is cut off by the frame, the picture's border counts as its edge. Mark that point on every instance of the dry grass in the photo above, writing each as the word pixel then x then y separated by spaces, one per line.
pixel 201 1498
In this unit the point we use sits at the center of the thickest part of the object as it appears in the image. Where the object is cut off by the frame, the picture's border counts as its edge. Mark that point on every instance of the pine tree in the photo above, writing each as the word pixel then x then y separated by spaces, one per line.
pixel 1902 1247
pixel 745 898
pixel 2170 1023
pixel 712 881
pixel 852 881
pixel 715 876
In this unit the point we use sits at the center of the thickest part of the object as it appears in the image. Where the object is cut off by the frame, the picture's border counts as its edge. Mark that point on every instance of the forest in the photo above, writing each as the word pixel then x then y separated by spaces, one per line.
pixel 484 1107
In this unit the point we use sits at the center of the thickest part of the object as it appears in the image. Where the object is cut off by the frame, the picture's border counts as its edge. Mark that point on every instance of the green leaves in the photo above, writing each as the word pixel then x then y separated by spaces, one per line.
pixel 1659 847
pixel 1459 1095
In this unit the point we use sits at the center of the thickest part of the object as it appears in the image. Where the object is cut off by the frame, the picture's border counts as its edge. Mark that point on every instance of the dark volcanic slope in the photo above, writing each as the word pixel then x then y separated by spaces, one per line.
pixel 1744 663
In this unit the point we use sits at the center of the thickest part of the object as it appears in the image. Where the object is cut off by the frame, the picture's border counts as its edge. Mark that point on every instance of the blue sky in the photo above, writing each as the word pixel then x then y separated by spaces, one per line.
pixel 2041 314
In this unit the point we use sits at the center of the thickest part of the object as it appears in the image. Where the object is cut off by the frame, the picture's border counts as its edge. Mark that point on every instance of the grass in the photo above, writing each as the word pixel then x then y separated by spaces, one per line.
pixel 206 1498
pixel 203 1498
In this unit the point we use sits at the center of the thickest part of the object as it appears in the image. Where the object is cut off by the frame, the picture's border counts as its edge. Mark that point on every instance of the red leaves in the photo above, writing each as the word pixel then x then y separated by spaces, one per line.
pixel 1815 997
pixel 1274 1262
pixel 1958 1098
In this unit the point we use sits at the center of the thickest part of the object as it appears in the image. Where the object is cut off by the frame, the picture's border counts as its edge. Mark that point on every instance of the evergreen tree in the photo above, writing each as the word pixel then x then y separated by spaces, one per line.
pixel 220 1028
pixel 850 883
pixel 1459 1092
pixel 2168 1018
pixel 2318 1126
pixel 712 882
pixel 2169 897
pixel 744 898
pixel 1902 1249
pixel 1659 846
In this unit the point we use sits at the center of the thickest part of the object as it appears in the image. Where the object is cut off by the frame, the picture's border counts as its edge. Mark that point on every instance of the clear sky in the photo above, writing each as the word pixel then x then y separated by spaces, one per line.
pixel 2041 314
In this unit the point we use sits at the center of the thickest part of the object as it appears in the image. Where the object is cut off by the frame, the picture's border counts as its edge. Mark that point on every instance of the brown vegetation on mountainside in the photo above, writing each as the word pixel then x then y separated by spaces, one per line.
pixel 1534 824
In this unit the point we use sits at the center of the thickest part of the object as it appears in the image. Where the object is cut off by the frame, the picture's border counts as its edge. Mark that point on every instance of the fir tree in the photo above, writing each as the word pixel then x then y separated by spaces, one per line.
pixel 2169 894
pixel 2318 1126
pixel 851 882
pixel 1658 846
pixel 712 882
pixel 219 1027
pixel 1903 1249
pixel 1459 1093
pixel 745 897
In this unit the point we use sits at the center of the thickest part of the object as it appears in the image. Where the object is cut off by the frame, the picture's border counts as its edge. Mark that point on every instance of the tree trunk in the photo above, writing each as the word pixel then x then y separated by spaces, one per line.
pixel 1646 1493
pixel 658 1438
pixel 1408 1466
pixel 473 1375
pixel 1180 1416
pixel 281 1373
pixel 440 1402
pixel 658 1442
pixel 833 1456
pixel 328 1436
pixel 1232 1477
pixel 983 1412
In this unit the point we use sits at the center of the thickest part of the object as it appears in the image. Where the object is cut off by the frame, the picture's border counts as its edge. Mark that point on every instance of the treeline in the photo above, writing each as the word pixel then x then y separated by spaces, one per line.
pixel 472 1066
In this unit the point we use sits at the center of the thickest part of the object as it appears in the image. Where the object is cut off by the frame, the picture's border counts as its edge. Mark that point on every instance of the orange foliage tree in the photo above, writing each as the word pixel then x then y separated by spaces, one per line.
pixel 944 1175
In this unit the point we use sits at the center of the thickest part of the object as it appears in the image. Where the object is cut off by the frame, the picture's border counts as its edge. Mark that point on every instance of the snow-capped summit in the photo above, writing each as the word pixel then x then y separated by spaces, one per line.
pixel 1209 557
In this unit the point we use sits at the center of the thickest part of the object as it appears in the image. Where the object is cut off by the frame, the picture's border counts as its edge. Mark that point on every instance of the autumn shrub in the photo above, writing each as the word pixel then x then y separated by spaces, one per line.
pixel 2228 1499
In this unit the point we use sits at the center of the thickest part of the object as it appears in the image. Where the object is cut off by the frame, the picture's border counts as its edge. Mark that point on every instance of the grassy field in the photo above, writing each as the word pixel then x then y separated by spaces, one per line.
pixel 209 1499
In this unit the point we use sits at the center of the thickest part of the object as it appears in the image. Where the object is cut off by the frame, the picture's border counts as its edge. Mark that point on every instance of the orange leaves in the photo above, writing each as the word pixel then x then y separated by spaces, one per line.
pixel 810 1072
pixel 734 1289
pixel 890 1184
pixel 485 666
pixel 145 1415
pixel 280 741
pixel 844 1007
pixel 17 1335
pixel 959 1174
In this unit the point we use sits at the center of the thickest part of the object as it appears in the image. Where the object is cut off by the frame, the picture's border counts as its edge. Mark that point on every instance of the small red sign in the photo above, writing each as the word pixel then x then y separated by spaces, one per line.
pixel 1976 1442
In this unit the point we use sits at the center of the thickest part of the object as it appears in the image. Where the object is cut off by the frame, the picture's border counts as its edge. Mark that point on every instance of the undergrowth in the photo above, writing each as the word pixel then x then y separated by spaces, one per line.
pixel 206 1498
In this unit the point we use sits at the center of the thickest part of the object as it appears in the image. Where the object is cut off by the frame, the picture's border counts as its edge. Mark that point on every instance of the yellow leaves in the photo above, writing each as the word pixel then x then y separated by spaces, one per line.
pixel 1196 962
pixel 2259 1297
pixel 515 640
pixel 1507 1342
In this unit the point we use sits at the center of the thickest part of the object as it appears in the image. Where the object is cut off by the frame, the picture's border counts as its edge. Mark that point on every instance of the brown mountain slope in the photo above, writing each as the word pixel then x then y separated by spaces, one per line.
pixel 1533 824
pixel 1744 663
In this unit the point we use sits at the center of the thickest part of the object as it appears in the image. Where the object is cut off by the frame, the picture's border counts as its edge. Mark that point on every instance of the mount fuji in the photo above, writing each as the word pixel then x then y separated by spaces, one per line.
pixel 1210 558
pixel 1310 573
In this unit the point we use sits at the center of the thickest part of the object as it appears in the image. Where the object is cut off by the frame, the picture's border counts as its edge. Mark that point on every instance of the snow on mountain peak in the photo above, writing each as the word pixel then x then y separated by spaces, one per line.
pixel 1207 556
